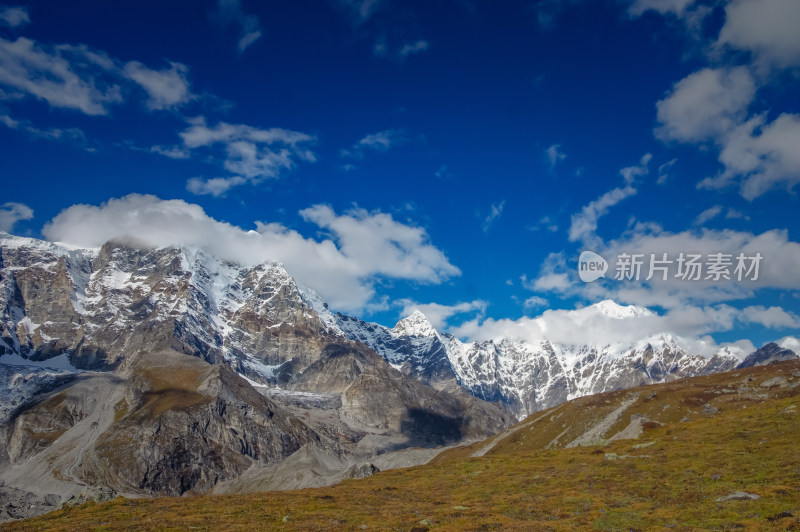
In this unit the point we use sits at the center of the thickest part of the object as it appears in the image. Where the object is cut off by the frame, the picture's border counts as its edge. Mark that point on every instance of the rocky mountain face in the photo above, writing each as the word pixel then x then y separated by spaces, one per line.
pixel 98 392
pixel 768 354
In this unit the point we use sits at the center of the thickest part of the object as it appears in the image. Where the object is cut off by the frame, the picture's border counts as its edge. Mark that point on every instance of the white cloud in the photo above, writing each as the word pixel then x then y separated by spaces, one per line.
pixel 553 276
pixel 711 105
pixel 544 223
pixel 14 17
pixel 535 302
pixel 11 213
pixel 166 89
pixel 73 135
pixel 554 155
pixel 584 223
pixel 251 154
pixel 608 323
pixel 381 141
pixel 217 186
pixel 663 172
pixel 708 214
pixel 361 247
pixel 705 105
pixel 767 28
pixel 438 314
pixel 769 317
pixel 64 76
pixel 173 152
pixel 760 156
pixel 229 12
pixel 495 210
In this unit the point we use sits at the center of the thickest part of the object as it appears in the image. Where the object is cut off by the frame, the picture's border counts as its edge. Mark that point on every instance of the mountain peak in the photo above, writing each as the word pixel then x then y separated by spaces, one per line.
pixel 416 324
pixel 613 309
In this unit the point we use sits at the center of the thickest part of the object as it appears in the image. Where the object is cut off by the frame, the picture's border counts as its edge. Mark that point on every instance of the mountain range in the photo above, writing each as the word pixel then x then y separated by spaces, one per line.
pixel 144 371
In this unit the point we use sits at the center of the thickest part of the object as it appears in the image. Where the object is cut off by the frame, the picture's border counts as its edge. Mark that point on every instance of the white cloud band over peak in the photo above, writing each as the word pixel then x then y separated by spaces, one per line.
pixel 359 249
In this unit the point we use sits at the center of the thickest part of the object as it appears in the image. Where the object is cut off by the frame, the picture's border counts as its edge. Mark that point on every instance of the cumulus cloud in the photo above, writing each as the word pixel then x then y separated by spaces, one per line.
pixel 712 105
pixel 439 314
pixel 760 156
pixel 359 248
pixel 64 76
pixel 766 28
pixel 166 89
pixel 229 12
pixel 14 17
pixel 705 105
pixel 11 213
pixel 776 270
pixel 495 210
pixel 608 323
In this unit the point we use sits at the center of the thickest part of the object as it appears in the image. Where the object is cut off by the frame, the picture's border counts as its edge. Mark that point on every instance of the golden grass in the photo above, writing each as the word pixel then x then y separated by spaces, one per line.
pixel 752 445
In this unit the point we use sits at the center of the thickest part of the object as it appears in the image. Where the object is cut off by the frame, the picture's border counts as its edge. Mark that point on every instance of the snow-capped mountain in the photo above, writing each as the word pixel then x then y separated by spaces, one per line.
pixel 100 306
pixel 97 390
pixel 527 377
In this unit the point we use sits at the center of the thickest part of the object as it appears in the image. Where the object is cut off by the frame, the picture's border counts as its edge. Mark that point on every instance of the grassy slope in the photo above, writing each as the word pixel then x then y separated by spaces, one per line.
pixel 752 445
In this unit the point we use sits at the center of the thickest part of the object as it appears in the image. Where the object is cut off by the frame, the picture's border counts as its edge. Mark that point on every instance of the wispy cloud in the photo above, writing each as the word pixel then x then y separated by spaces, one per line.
pixel 166 89
pixel 413 48
pixel 14 17
pixel 251 154
pixel 708 214
pixel 11 213
pixel 382 141
pixel 382 48
pixel 71 135
pixel 230 13
pixel 495 210
pixel 554 155
pixel 584 223
pixel 64 76
pixel 359 11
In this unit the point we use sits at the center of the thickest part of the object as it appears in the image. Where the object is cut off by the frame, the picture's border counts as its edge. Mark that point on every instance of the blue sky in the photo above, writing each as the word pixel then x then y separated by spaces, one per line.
pixel 454 156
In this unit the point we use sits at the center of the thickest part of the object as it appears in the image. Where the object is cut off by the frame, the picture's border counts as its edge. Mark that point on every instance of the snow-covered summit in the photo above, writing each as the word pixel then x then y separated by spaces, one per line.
pixel 416 324
pixel 612 309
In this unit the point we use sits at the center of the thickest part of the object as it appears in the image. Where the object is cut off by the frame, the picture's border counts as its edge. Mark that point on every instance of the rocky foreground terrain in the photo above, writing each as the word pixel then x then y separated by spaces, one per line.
pixel 717 452
pixel 171 372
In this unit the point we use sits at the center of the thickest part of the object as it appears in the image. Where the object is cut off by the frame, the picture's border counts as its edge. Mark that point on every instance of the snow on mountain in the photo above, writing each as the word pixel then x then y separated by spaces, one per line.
pixel 416 324
pixel 529 376
pixel 100 305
